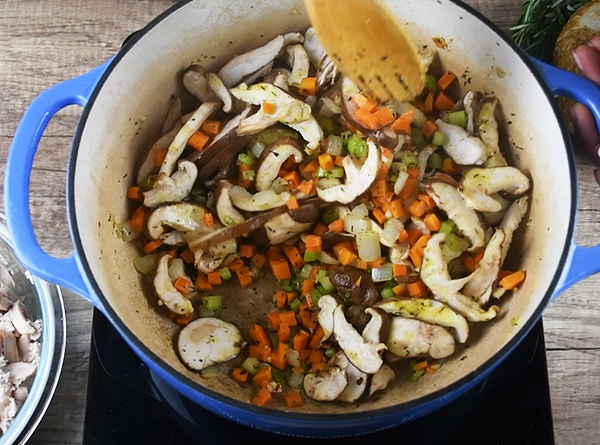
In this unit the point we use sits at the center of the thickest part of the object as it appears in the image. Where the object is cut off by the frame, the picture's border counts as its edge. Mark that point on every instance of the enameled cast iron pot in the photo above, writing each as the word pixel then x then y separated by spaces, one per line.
pixel 110 139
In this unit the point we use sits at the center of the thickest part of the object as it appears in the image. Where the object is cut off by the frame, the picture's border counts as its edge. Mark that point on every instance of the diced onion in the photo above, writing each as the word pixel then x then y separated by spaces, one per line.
pixel 257 149
pixel 391 232
pixel 326 183
pixel 361 211
pixel 296 380
pixel 334 145
pixel 383 273
pixel 126 232
pixel 293 357
pixel 211 371
pixel 368 246
pixel 400 182
pixel 176 269
pixel 279 185
pixel 331 106
pixel 145 264
pixel 354 224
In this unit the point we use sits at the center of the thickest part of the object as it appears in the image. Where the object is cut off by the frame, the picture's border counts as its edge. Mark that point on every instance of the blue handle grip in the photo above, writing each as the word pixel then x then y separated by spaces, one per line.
pixel 581 261
pixel 62 271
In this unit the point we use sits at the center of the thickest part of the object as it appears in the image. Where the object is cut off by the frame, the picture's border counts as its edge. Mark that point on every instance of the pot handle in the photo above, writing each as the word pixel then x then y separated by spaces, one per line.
pixel 62 271
pixel 581 261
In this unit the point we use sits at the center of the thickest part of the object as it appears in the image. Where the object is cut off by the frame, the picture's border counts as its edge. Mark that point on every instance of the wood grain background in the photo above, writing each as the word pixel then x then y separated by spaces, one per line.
pixel 45 42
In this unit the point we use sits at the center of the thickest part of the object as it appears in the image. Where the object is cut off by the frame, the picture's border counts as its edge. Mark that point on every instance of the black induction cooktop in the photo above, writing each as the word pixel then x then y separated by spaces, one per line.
pixel 126 406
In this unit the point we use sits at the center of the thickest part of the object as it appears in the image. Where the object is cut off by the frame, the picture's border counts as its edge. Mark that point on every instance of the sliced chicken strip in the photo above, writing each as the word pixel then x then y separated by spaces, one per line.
pixel 487 129
pixel 414 338
pixel 216 84
pixel 463 148
pixel 434 273
pixel 482 280
pixel 325 386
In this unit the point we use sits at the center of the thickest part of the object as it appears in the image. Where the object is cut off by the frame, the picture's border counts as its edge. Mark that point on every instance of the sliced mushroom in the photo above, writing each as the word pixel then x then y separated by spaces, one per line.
pixel 414 338
pixel 172 188
pixel 261 72
pixel 288 110
pixel 434 273
pixel 216 84
pixel 166 292
pixel 279 77
pixel 272 158
pixel 209 259
pixel 470 101
pixel 362 354
pixel 486 127
pixel 430 311
pixel 327 75
pixel 381 379
pixel 313 46
pixel 226 212
pixel 478 184
pixel 358 178
pixel 196 84
pixel 480 285
pixel 378 327
pixel 327 305
pixel 284 227
pixel 178 144
pixel 354 284
pixel 511 222
pixel 399 252
pixel 173 238
pixel 162 143
pixel 423 157
pixel 260 201
pixel 325 386
pixel 207 341
pixel 297 58
pixel 357 380
pixel 243 65
pixel 449 199
pixel 463 148
pixel 181 216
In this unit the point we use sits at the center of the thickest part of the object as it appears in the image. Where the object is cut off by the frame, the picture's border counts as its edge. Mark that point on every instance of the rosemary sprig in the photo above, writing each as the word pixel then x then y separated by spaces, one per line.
pixel 540 24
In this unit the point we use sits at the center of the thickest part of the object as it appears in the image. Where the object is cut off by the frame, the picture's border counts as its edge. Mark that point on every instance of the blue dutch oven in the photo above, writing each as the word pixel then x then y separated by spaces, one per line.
pixel 124 102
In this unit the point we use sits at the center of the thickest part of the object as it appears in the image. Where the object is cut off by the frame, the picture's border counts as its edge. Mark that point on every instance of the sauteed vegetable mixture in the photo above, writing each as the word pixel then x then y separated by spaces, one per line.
pixel 386 225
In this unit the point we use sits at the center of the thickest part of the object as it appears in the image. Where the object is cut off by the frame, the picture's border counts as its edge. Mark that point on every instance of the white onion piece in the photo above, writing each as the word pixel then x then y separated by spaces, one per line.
pixel 383 273
pixel 354 224
pixel 296 380
pixel 176 269
pixel 400 182
pixel 391 232
pixel 334 145
pixel 361 211
pixel 293 357
pixel 257 149
pixel 368 246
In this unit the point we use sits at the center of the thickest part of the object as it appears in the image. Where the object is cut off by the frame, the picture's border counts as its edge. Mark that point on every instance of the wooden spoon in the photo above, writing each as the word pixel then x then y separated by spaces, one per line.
pixel 368 43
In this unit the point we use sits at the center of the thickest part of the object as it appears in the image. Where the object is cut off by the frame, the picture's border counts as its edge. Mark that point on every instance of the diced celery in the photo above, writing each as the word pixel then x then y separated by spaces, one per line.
pixel 324 122
pixel 244 158
pixel 274 339
pixel 295 304
pixel 458 118
pixel 330 352
pixel 277 375
pixel 337 172
pixel 305 271
pixel 447 227
pixel 438 138
pixel 321 274
pixel 248 175
pixel 321 173
pixel 435 161
pixel 326 283
pixel 286 285
pixel 322 290
pixel 314 296
pixel 456 243
pixel 356 146
pixel 430 82
pixel 393 178
pixel 330 215
pixel 417 137
pixel 409 159
pixel 228 220
pixel 225 273
pixel 387 292
pixel 212 302
pixel 310 256
pixel 251 365
pixel 269 135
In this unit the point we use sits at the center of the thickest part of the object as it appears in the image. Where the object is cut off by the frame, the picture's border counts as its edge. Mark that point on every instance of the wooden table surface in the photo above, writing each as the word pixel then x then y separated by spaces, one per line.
pixel 45 42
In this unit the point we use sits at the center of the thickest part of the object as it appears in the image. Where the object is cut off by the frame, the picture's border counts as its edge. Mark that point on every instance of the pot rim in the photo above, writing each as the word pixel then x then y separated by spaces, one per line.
pixel 439 394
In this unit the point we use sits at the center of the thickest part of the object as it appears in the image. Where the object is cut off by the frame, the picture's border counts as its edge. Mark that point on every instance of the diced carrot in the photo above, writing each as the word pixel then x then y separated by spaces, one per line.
pixel 339 161
pixel 410 187
pixel 159 156
pixel 308 86
pixel 135 193
pixel 420 365
pixel 304 318
pixel 428 103
pixel 429 128
pixel 413 235
pixel 404 121
pixel 291 296
pixel 278 357
pixel 384 116
pixel 202 283
pixel 182 285
pixel 469 262
pixel 214 278
pixel 153 245
pixel 305 353
pixel 208 219
pixel 417 208
pixel 326 161
pixel 445 81
pixel 288 317
pixel 504 273
pixel 280 300
pixel 337 226
pixel 244 277
pixel 513 280
pixel 367 118
pixel 263 352
pixel 379 216
pixel 198 140
pixel 301 340
pixel 432 222
pixel 400 290
pixel 183 320
pixel 365 102
pixel 247 250
pixel 273 319
pixel 211 127
pixel 416 251
pixel 380 188
pixel 292 203
pixel 360 264
pixel 283 331
pixel 318 366
pixel 316 338
pixel 320 229
pixel 417 289
pixel 292 397
pixel 269 107
pixel 240 375
pixel 396 208
pixel 316 356
pixel 293 178
pixel 262 375
pixel 399 270
pixel 344 255
pixel 311 166
pixel 188 256
pixel 293 255
pixel 236 264
pixel 450 167
pixel 298 370
pixel 306 287
pixel 403 236
pixel 306 187
pixel 280 268
pixel 262 397
pixel 443 102
pixel 253 351
pixel 377 263
pixel 139 217
pixel 259 335
pixel 314 243
pixel 427 200
pixel 259 260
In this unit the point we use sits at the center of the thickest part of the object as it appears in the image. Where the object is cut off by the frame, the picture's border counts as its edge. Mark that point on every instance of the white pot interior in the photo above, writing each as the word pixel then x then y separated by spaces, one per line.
pixel 128 111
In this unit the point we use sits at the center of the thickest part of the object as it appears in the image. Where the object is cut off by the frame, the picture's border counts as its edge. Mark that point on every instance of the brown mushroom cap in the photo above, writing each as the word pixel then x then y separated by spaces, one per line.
pixel 355 284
